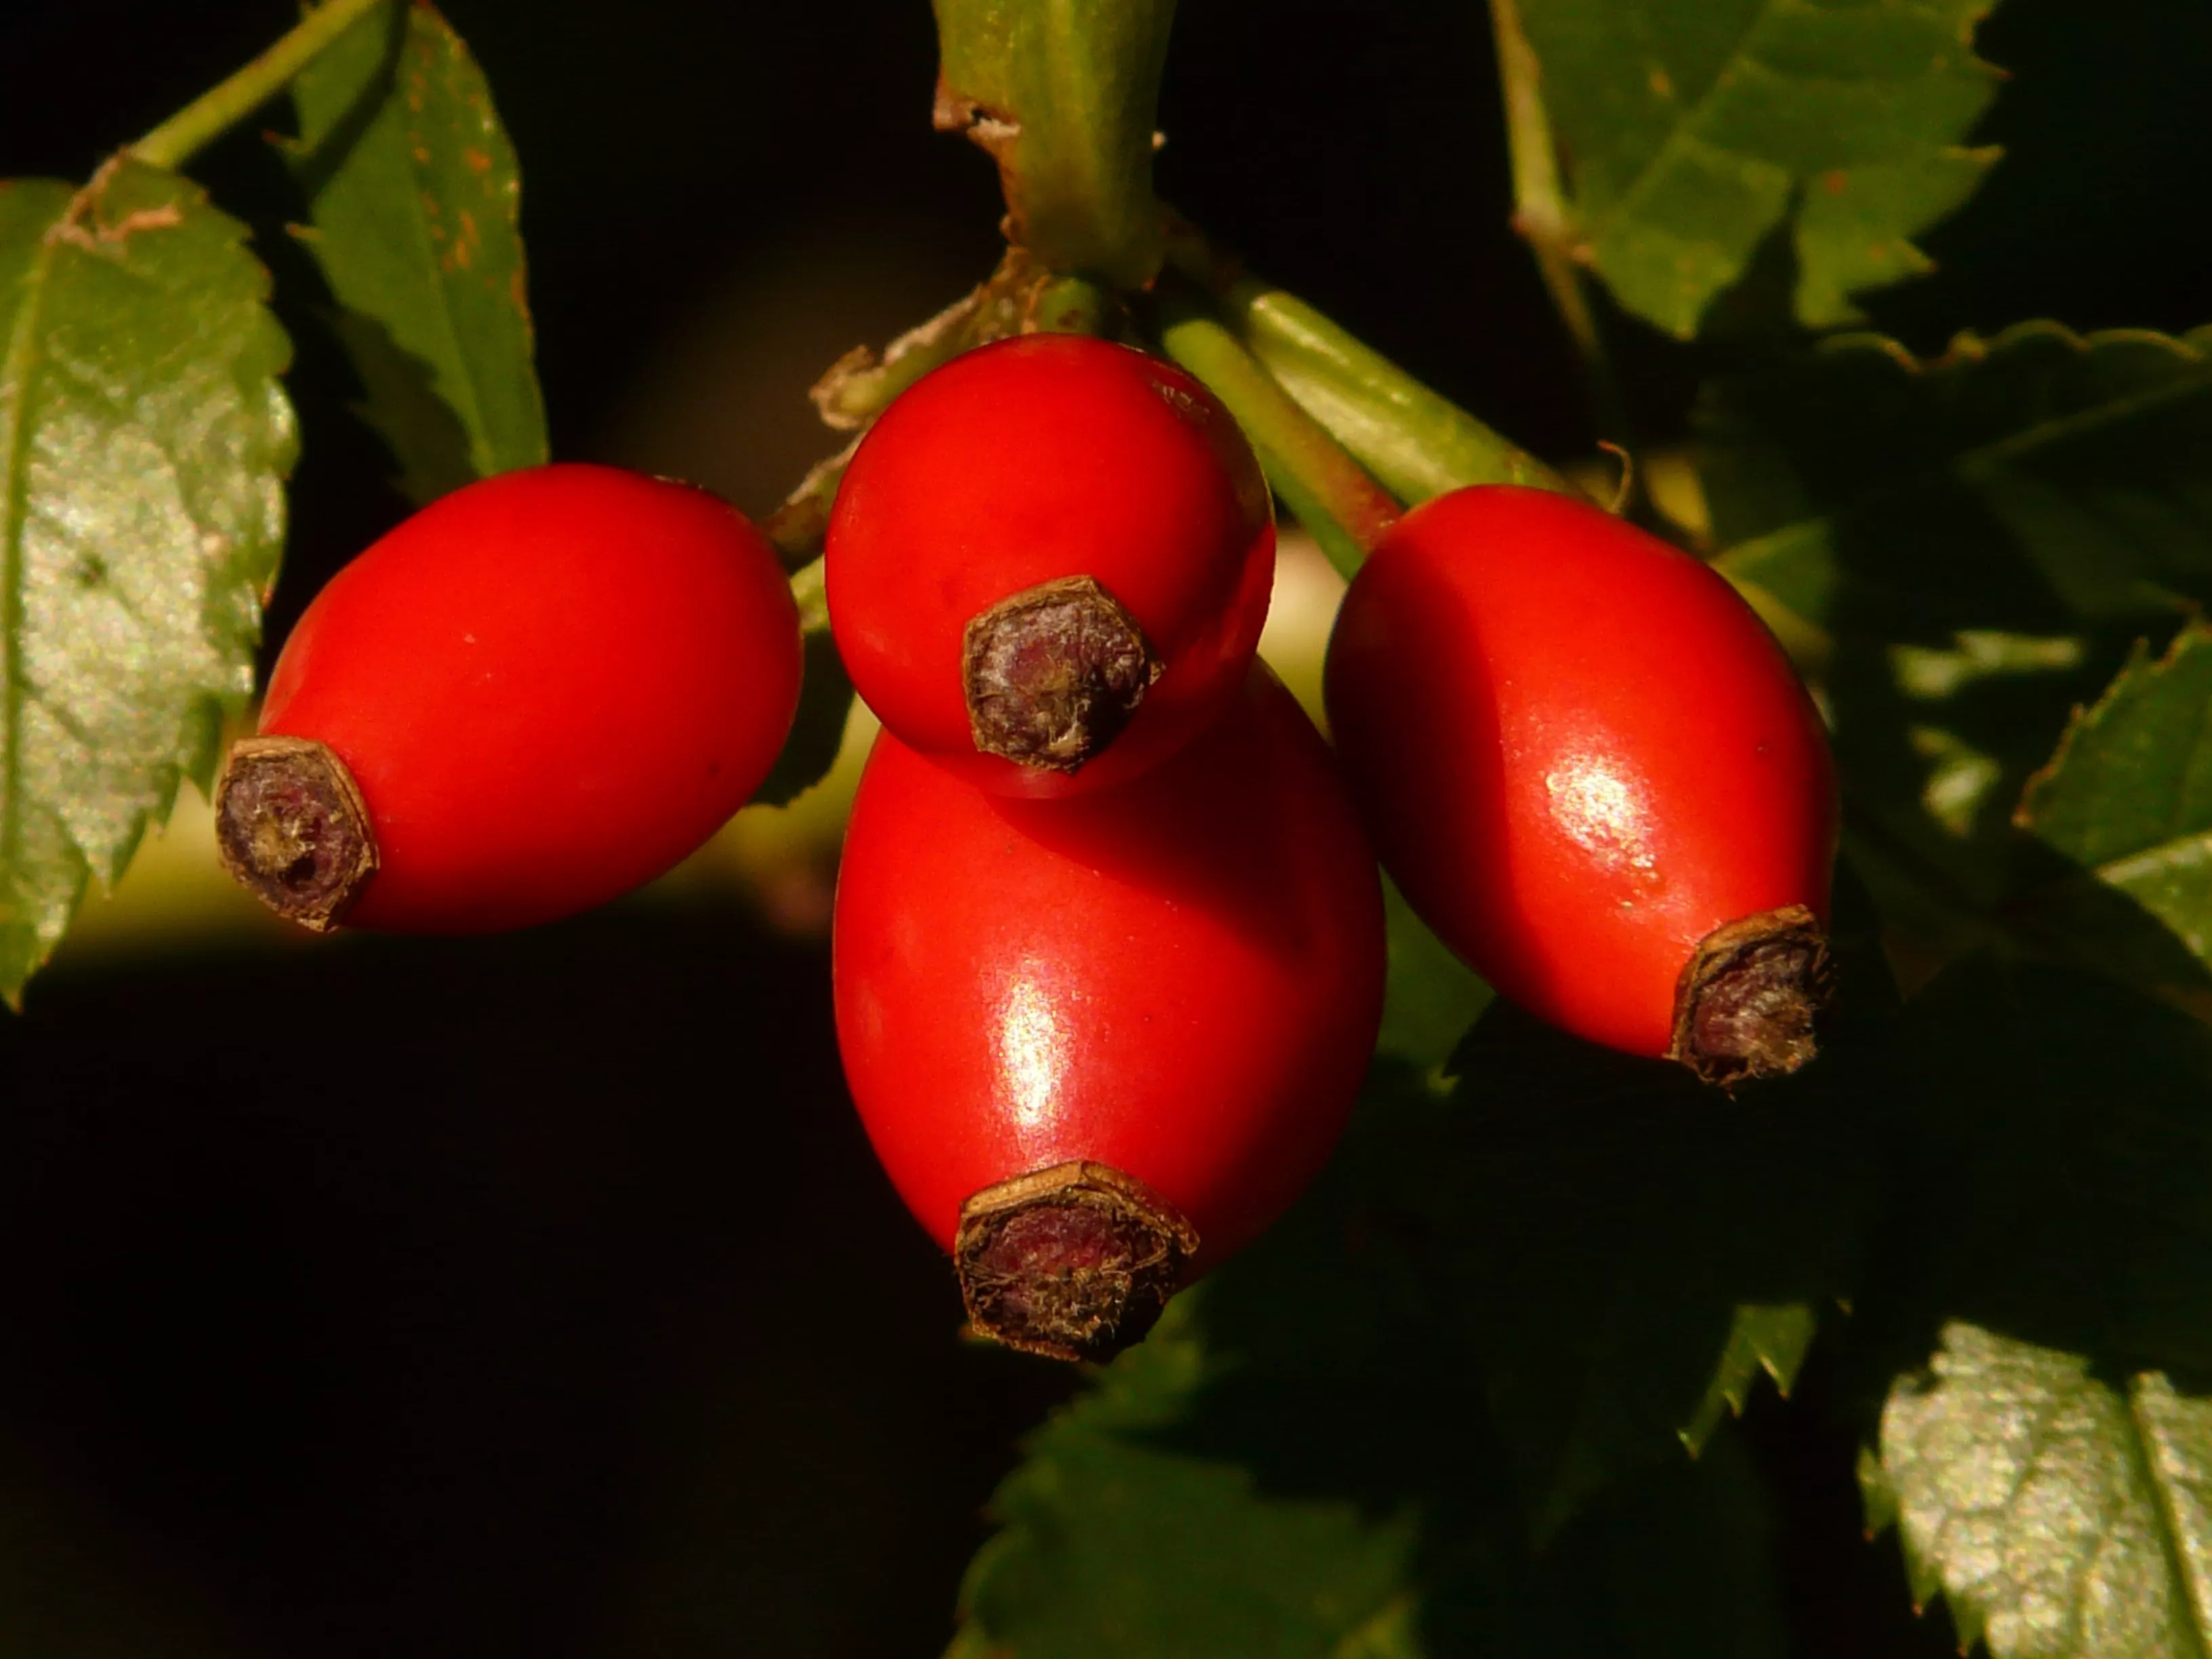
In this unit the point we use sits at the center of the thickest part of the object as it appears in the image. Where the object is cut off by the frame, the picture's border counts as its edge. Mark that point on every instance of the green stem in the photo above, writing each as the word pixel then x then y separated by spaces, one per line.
pixel 1325 489
pixel 1063 95
pixel 1540 212
pixel 1070 305
pixel 1417 443
pixel 214 111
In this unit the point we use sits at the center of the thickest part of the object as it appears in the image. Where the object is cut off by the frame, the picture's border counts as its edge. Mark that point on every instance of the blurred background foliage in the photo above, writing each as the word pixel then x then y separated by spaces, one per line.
pixel 376 1296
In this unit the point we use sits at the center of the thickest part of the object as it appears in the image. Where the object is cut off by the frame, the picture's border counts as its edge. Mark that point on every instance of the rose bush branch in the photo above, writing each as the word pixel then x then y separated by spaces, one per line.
pixel 1064 99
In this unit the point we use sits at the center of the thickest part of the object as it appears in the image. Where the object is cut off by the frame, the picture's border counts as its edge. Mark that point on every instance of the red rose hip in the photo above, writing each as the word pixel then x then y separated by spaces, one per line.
pixel 1099 1044
pixel 535 694
pixel 1048 562
pixel 1595 774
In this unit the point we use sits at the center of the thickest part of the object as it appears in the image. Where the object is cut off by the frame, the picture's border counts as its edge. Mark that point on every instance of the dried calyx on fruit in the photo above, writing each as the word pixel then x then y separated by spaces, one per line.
pixel 535 694
pixel 1595 774
pixel 1099 1044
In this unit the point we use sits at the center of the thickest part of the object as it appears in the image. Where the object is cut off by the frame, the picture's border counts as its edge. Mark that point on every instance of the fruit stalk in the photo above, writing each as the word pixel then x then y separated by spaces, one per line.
pixel 1416 442
pixel 1327 491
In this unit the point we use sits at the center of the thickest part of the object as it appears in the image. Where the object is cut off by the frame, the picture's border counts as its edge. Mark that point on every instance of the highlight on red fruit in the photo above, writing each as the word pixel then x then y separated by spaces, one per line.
pixel 1595 774
pixel 1100 1044
pixel 1048 563
pixel 535 694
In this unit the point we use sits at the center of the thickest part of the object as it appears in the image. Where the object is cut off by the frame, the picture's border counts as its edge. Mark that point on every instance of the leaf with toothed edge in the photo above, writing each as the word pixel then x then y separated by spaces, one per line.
pixel 2049 1468
pixel 144 438
pixel 1296 1462
pixel 413 197
pixel 2030 480
pixel 2127 799
pixel 1691 131
pixel 1762 1341
pixel 2062 1512
pixel 1963 549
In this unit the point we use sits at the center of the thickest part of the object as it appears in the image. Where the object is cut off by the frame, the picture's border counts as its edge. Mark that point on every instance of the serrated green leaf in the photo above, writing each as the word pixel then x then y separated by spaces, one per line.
pixel 2065 1511
pixel 1115 1545
pixel 2049 1471
pixel 1691 131
pixel 413 197
pixel 1971 543
pixel 1762 1342
pixel 1257 1481
pixel 144 438
pixel 1688 1242
pixel 2025 482
pixel 2128 798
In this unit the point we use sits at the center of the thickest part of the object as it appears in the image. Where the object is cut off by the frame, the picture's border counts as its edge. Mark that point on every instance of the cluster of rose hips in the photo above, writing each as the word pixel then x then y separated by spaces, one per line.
pixel 1108 944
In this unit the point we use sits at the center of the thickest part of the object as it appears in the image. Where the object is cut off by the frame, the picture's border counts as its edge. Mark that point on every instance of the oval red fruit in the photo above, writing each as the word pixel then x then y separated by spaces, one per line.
pixel 1048 563
pixel 1581 755
pixel 1174 984
pixel 543 688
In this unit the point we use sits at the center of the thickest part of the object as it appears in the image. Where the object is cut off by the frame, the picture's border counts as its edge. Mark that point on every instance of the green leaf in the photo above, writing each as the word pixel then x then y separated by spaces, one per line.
pixel 2065 1511
pixel 1289 1465
pixel 2049 1470
pixel 1964 550
pixel 2127 799
pixel 144 438
pixel 1687 1244
pixel 1117 1544
pixel 1691 131
pixel 2029 481
pixel 413 197
pixel 1762 1342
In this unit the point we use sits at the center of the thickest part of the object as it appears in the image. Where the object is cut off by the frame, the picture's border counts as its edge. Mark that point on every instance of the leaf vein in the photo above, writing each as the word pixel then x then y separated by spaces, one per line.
pixel 2141 1445
pixel 1641 184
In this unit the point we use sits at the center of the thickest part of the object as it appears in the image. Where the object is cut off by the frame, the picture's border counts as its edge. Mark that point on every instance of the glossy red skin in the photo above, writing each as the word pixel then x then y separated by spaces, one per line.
pixel 1578 750
pixel 1046 456
pixel 550 685
pixel 1182 977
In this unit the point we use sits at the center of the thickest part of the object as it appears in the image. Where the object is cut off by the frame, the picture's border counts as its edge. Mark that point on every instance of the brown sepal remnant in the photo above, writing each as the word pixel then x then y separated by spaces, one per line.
pixel 1074 1263
pixel 1745 1003
pixel 292 829
pixel 995 132
pixel 1053 674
